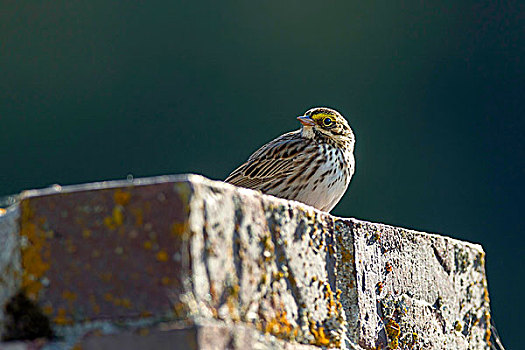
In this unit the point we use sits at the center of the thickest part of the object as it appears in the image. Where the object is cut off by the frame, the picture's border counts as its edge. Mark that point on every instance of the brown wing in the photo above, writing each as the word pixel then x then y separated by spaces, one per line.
pixel 276 160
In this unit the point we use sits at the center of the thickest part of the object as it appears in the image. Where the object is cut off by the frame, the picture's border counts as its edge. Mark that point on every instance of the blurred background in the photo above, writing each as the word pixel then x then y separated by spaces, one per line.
pixel 434 91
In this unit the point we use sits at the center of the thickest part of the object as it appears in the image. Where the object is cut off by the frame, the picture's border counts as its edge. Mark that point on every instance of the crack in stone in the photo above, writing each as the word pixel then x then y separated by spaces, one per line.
pixel 440 259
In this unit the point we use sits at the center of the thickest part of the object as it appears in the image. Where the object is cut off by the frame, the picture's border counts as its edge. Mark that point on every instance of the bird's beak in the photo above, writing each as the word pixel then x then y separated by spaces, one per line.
pixel 306 120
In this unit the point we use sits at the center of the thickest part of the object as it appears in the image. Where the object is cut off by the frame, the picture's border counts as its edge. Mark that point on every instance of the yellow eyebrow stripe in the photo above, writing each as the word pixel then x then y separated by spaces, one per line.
pixel 321 116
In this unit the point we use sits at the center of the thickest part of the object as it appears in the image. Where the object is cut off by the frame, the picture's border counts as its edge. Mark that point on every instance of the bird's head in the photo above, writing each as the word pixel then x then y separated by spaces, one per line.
pixel 328 123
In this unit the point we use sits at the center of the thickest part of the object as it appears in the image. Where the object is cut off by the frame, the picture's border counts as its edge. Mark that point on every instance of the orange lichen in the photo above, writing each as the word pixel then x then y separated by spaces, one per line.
pixel 143 331
pixel 178 228
pixel 34 253
pixel 162 256
pixel 139 216
pixel 269 249
pixel 61 318
pixel 47 309
pixel 379 287
pixel 280 327
pixel 346 254
pixel 320 338
pixel 393 331
pixel 108 222
pixel 165 281
pixel 86 233
pixel 179 309
pixel 488 331
pixel 121 197
pixel 118 216
pixel 146 314
pixel 69 296
pixel 116 219
pixel 233 304
pixel 147 245
pixel 486 295
pixel 393 344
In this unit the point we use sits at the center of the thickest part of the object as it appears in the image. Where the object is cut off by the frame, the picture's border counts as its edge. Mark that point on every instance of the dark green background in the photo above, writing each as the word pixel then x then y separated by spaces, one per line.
pixel 434 92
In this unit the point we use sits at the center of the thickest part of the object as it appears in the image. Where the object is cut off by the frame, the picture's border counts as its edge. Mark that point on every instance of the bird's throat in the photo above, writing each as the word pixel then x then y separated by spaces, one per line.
pixel 308 132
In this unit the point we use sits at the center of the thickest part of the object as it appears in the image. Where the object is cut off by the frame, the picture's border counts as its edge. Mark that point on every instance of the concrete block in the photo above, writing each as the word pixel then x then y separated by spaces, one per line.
pixel 187 249
pixel 411 290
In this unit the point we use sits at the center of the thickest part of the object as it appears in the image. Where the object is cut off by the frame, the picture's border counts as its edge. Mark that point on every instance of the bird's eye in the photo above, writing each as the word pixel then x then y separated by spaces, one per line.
pixel 327 121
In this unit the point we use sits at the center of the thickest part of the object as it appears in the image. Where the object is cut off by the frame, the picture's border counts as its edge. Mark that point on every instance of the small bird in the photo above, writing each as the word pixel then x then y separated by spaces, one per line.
pixel 312 165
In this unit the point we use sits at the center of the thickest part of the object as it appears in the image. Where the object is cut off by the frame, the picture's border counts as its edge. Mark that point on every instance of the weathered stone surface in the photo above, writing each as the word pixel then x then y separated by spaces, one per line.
pixel 184 248
pixel 204 337
pixel 10 266
pixel 207 336
pixel 411 289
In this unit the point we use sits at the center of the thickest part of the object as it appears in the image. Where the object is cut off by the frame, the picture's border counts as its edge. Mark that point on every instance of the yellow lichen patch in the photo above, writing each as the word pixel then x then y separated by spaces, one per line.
pixel 61 318
pixel 379 287
pixel 486 294
pixel 346 254
pixel 162 256
pixel 68 295
pixel 281 327
pixel 139 216
pixel 321 338
pixel 34 252
pixel 268 247
pixel 47 309
pixel 108 297
pixel 77 347
pixel 179 309
pixel 86 233
pixel 116 219
pixel 118 215
pixel 143 331
pixel 178 228
pixel 165 281
pixel 393 331
pixel 409 341
pixel 233 305
pixel 393 344
pixel 147 245
pixel 108 222
pixel 488 332
pixel 121 197
pixel 334 305
pixel 146 314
